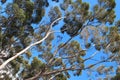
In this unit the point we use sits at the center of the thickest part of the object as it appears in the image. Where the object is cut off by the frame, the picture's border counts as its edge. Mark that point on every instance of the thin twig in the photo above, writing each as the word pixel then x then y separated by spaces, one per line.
pixel 28 47
pixel 56 51
pixel 54 76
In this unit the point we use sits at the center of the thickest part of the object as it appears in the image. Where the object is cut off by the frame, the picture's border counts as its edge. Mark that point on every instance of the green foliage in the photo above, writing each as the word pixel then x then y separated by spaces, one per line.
pixel 87 45
pixel 29 54
pixel 60 76
pixel 54 13
pixel 117 77
pixel 13 9
pixel 36 64
pixel 76 18
pixel 16 31
pixel 16 66
pixel 32 69
pixel 25 22
pixel 29 9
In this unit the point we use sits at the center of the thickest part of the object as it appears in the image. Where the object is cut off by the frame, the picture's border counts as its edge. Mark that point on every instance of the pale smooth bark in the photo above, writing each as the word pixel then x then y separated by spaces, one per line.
pixel 28 47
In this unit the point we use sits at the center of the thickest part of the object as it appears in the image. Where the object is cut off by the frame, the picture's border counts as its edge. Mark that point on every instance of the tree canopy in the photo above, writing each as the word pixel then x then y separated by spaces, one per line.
pixel 49 39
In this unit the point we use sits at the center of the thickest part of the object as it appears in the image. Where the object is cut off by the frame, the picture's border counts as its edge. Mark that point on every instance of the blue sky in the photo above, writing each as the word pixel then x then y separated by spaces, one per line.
pixel 117 9
pixel 92 2
pixel 90 51
pixel 84 74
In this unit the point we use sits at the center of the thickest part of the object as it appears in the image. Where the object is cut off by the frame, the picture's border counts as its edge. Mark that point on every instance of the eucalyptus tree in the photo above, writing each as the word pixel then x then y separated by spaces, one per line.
pixel 32 48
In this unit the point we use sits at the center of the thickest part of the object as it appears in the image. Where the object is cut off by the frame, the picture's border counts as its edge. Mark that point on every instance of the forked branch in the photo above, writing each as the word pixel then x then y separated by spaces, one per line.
pixel 31 45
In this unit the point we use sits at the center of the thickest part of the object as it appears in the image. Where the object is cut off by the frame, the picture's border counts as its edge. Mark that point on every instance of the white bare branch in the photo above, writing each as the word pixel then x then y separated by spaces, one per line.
pixel 28 47
pixel 54 76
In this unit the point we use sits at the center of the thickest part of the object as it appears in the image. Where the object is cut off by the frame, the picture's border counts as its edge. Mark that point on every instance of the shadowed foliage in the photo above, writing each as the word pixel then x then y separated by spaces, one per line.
pixel 85 33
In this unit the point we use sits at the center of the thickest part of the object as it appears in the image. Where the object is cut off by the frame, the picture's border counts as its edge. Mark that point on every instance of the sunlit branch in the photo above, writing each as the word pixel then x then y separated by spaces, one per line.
pixel 28 47
pixel 46 73
pixel 74 68
pixel 35 77
pixel 54 76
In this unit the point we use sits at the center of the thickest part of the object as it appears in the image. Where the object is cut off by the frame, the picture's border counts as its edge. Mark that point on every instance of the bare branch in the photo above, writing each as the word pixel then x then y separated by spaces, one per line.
pixel 35 77
pixel 74 68
pixel 56 51
pixel 21 52
pixel 90 56
pixel 66 57
pixel 54 76
pixel 106 60
pixel 28 47
pixel 69 68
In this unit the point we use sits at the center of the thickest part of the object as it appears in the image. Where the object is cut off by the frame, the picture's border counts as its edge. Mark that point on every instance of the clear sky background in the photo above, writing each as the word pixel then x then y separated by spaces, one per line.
pixel 83 76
